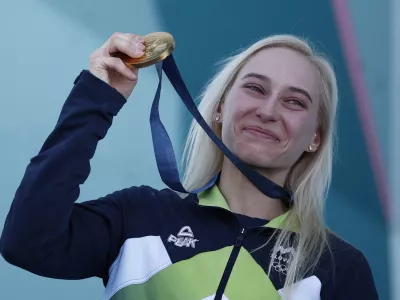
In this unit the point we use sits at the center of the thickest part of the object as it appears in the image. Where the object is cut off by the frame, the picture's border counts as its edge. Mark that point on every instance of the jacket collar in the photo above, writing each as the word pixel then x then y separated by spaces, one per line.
pixel 213 197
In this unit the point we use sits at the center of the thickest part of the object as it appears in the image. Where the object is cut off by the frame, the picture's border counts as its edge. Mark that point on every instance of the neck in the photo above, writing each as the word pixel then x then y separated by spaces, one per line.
pixel 244 198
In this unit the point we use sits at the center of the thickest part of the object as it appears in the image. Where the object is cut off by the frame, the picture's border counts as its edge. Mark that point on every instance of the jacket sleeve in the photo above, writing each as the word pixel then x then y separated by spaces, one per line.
pixel 355 281
pixel 45 231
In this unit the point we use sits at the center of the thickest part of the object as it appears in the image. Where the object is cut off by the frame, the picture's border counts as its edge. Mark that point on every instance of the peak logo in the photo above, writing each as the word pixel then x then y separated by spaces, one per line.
pixel 184 238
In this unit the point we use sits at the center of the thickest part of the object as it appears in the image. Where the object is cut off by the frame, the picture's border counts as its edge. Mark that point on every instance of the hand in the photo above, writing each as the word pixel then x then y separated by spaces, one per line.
pixel 113 70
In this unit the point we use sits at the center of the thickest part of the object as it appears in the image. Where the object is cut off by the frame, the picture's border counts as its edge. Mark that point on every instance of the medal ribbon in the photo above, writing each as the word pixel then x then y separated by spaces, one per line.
pixel 163 150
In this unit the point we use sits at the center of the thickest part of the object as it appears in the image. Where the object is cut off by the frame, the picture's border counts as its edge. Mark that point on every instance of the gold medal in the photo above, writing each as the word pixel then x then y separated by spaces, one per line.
pixel 158 46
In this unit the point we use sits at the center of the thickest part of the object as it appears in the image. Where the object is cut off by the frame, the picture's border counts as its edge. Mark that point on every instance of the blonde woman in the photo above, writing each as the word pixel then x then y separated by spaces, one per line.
pixel 274 106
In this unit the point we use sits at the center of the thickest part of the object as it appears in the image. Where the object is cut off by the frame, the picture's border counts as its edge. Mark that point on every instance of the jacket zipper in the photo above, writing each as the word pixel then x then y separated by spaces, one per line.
pixel 230 264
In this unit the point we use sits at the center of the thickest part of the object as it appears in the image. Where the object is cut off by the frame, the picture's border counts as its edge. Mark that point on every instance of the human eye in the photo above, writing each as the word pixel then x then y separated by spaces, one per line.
pixel 255 88
pixel 296 102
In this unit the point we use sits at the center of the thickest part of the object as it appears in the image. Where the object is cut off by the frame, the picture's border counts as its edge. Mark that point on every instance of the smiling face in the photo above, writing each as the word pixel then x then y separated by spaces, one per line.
pixel 269 116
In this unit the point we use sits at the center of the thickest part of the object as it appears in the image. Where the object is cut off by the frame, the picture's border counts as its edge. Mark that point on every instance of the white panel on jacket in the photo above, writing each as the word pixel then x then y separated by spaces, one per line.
pixel 138 260
pixel 306 289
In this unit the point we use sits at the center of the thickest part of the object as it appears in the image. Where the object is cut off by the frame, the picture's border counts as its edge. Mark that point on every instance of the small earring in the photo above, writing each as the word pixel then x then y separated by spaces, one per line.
pixel 217 118
pixel 310 148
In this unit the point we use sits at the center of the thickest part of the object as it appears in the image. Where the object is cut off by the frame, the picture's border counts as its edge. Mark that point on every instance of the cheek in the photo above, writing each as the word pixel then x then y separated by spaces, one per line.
pixel 240 109
pixel 237 109
pixel 232 118
pixel 301 130
pixel 228 128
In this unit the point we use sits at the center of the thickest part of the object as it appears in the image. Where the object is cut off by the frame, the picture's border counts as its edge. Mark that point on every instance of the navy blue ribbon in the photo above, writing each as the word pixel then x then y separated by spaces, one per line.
pixel 164 153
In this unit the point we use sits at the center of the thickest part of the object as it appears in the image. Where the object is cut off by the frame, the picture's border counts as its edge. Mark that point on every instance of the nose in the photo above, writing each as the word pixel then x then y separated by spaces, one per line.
pixel 268 110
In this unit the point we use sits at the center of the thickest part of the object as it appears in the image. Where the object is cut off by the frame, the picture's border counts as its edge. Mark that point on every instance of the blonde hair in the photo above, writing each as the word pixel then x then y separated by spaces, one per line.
pixel 308 179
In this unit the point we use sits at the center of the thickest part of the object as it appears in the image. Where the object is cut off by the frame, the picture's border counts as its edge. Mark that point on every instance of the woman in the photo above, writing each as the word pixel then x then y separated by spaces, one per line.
pixel 274 106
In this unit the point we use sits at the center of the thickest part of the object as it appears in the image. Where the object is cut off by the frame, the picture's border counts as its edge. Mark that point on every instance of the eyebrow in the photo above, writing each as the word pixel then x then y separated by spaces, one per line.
pixel 268 80
pixel 258 76
pixel 301 91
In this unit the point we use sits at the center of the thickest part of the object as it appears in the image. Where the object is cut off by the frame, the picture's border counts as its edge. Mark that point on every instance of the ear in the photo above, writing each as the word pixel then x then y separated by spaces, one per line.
pixel 218 111
pixel 315 143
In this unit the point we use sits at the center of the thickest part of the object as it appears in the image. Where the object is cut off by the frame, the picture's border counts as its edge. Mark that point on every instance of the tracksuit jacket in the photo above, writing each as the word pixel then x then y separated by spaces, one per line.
pixel 152 244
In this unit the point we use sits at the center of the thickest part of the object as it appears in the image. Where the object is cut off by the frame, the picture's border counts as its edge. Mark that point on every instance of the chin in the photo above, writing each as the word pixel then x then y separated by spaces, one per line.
pixel 254 156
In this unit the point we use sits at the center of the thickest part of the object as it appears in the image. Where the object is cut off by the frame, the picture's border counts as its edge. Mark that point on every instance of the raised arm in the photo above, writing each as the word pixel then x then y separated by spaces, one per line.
pixel 45 231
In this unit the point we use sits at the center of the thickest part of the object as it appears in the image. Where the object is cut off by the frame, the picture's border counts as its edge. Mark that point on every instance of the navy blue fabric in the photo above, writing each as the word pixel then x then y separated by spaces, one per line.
pixel 164 153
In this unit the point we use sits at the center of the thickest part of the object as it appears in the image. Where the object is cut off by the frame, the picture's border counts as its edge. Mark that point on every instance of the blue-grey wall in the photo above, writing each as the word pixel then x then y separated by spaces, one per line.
pixel 371 25
pixel 394 145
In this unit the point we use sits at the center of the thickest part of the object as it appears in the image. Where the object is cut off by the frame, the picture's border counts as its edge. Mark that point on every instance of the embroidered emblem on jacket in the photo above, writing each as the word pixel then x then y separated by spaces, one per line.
pixel 185 238
pixel 282 259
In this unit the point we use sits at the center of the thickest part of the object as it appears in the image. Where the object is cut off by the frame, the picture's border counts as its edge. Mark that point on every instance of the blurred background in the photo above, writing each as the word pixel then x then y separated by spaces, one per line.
pixel 45 44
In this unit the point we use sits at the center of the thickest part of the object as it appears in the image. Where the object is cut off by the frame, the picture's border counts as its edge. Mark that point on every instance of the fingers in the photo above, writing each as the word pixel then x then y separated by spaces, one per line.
pixel 116 64
pixel 105 60
pixel 129 44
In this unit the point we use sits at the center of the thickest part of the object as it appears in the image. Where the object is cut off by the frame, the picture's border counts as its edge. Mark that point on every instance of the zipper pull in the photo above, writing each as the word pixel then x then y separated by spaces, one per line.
pixel 240 238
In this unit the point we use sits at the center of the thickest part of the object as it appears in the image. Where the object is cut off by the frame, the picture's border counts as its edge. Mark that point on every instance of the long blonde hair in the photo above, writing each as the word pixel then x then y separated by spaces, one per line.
pixel 308 179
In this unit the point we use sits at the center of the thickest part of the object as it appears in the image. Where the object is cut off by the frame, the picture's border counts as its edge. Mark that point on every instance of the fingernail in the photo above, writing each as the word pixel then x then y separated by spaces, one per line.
pixel 141 46
pixel 139 39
